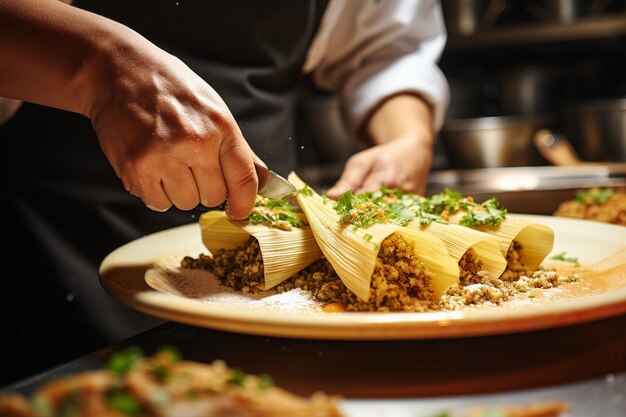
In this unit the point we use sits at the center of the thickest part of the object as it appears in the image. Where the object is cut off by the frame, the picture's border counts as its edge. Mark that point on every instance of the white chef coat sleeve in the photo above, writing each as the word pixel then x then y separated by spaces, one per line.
pixel 369 50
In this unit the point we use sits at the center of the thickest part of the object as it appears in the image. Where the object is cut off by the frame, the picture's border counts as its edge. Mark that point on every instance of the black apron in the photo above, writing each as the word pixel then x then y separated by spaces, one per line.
pixel 66 208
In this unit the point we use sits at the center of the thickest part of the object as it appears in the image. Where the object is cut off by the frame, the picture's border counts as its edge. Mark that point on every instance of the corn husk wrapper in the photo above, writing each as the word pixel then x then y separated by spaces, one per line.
pixel 284 252
pixel 459 239
pixel 353 251
pixel 537 239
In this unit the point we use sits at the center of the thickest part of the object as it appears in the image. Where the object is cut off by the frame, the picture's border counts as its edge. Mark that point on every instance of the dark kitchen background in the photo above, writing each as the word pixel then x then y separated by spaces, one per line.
pixel 514 68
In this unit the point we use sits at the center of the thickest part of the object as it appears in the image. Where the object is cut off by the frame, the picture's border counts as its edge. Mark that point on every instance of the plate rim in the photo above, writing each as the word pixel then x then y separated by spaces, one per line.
pixel 349 325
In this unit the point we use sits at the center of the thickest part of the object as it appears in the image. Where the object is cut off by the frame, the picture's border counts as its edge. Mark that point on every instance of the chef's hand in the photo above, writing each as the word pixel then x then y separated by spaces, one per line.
pixel 169 136
pixel 402 130
pixel 402 163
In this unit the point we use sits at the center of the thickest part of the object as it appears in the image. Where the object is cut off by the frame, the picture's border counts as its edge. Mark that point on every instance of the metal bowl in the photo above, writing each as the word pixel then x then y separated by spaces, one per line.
pixel 597 129
pixel 492 142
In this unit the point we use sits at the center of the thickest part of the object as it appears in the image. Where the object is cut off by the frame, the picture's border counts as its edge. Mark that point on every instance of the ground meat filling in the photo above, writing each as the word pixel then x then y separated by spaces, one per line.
pixel 400 282
pixel 477 287
pixel 240 269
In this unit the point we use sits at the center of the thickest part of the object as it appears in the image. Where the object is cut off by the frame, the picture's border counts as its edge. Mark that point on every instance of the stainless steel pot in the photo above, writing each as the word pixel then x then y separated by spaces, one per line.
pixel 491 142
pixel 597 129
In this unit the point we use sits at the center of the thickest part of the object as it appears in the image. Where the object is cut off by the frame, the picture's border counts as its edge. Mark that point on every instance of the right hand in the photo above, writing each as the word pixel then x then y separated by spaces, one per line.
pixel 168 135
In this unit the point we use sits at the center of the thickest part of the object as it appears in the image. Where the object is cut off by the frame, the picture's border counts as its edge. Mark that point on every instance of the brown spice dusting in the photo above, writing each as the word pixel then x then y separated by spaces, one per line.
pixel 400 282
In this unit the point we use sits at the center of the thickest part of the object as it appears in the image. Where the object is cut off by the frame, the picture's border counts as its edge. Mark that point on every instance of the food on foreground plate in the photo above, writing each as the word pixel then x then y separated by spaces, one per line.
pixel 380 254
pixel 164 385
pixel 603 205
pixel 540 409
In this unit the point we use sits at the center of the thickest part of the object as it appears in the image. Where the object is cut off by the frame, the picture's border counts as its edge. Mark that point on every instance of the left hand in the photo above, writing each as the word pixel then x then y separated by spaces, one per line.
pixel 400 163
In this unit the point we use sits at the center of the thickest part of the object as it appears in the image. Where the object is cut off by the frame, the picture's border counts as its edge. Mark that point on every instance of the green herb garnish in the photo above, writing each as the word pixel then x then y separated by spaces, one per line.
pixel 595 195
pixel 439 207
pixel 562 257
pixel 306 190
pixel 70 406
pixel 361 211
pixel 160 373
pixel 172 352
pixel 274 213
pixel 489 212
pixel 123 402
pixel 41 406
pixel 238 377
pixel 124 360
pixel 265 381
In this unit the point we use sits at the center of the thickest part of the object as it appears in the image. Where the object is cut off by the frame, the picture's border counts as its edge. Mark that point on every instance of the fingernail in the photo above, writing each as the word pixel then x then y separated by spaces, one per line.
pixel 230 214
pixel 156 209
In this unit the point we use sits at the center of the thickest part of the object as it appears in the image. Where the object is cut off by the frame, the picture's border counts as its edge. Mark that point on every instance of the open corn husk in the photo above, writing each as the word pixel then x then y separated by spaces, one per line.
pixel 459 239
pixel 536 239
pixel 353 251
pixel 284 252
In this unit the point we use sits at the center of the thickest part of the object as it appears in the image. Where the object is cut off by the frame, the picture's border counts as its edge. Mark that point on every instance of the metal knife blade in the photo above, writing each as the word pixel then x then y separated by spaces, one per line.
pixel 272 185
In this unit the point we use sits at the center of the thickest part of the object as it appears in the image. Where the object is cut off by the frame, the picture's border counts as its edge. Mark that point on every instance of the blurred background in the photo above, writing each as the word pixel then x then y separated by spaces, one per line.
pixel 515 68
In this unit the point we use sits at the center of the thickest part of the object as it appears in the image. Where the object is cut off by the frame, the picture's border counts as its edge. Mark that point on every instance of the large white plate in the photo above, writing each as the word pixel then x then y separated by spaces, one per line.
pixel 599 246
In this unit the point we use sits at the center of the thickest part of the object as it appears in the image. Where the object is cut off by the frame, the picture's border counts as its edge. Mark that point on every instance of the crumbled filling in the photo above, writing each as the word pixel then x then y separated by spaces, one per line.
pixel 400 282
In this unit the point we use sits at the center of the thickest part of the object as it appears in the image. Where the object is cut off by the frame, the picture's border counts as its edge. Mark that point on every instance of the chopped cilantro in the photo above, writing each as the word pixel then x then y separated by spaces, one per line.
pixel 367 237
pixel 562 257
pixel 238 377
pixel 160 373
pixel 124 360
pixel 41 406
pixel 123 402
pixel 595 195
pixel 70 406
pixel 171 351
pixel 265 381
pixel 490 212
pixel 274 213
pixel 257 218
pixel 360 211
pixel 306 191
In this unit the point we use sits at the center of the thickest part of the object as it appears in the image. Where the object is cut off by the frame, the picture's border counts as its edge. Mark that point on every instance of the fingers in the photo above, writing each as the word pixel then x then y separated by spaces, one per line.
pixel 211 185
pixel 357 168
pixel 377 178
pixel 239 175
pixel 151 192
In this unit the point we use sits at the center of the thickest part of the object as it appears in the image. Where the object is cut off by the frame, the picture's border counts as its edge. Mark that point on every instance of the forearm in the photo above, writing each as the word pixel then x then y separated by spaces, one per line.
pixel 401 116
pixel 51 52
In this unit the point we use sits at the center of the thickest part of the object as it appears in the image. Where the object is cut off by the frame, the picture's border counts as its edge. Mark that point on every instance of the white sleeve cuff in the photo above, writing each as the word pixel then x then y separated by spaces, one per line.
pixel 411 74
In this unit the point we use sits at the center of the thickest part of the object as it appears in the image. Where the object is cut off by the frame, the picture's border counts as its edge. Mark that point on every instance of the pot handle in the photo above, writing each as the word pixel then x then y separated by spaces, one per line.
pixel 555 148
